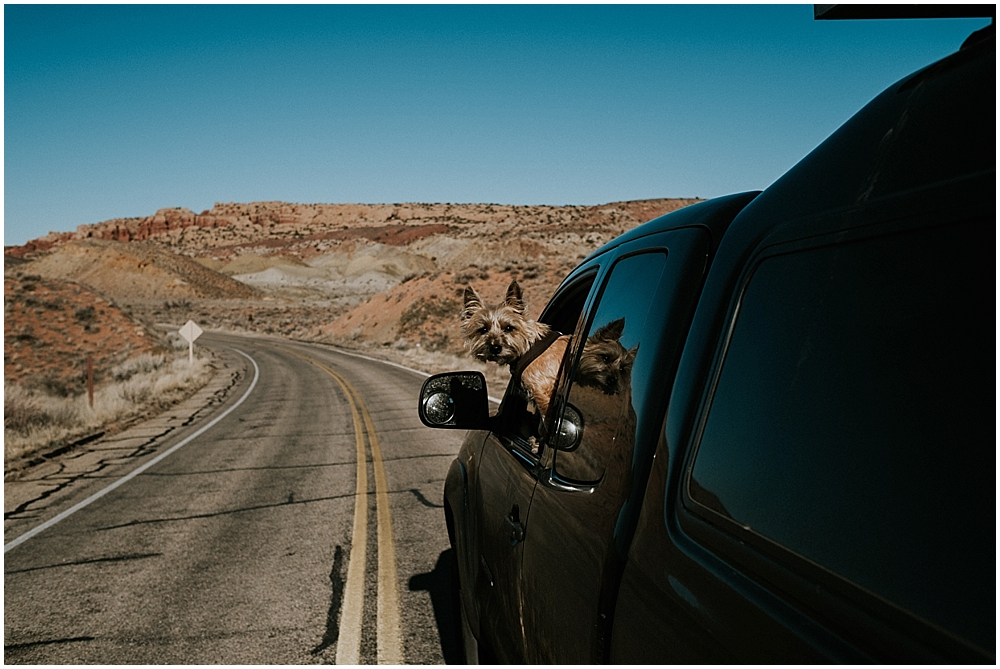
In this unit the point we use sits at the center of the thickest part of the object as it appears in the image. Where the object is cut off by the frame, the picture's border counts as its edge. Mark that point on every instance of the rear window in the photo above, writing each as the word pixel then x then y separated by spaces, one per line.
pixel 852 422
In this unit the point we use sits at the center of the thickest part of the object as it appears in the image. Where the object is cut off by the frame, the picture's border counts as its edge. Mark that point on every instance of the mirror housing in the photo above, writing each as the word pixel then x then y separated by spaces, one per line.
pixel 455 400
pixel 569 430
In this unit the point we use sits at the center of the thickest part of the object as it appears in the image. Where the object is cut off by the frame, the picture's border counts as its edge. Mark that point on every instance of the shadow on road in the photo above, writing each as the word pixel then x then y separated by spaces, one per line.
pixel 444 600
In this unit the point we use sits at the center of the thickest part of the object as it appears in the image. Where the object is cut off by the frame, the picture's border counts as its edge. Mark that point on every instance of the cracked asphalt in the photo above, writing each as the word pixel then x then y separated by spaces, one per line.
pixel 233 548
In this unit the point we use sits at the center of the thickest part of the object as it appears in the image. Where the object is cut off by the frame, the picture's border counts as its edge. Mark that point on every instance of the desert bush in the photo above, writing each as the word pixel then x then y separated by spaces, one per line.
pixel 37 418
pixel 141 364
pixel 470 275
pixel 51 383
pixel 178 377
pixel 136 391
pixel 176 341
pixel 26 410
pixel 22 410
pixel 436 342
pixel 418 312
pixel 62 414
pixel 85 314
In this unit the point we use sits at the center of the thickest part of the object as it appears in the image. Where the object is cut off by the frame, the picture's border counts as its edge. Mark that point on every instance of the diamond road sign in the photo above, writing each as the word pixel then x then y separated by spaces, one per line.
pixel 191 331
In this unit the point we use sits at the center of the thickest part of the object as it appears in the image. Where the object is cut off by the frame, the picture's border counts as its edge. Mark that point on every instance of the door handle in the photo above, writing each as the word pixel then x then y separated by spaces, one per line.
pixel 516 527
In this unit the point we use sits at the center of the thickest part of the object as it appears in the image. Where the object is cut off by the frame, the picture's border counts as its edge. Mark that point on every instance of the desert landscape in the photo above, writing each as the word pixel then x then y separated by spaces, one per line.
pixel 383 279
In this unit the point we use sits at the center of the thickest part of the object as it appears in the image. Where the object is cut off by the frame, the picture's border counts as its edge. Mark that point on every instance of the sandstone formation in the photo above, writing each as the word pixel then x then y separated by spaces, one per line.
pixel 51 327
pixel 136 270
pixel 386 278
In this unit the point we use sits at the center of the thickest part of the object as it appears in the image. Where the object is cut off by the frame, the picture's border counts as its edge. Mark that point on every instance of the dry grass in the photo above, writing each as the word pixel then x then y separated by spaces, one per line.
pixel 35 421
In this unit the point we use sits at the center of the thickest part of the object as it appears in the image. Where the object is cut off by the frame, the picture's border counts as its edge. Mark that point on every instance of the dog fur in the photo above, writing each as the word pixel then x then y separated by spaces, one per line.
pixel 501 334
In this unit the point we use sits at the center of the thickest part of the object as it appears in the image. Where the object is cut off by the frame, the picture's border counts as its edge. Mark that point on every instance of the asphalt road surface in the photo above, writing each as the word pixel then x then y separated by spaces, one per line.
pixel 251 534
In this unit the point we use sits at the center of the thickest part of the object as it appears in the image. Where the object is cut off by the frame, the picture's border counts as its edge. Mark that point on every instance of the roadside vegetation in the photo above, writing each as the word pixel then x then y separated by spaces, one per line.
pixel 37 421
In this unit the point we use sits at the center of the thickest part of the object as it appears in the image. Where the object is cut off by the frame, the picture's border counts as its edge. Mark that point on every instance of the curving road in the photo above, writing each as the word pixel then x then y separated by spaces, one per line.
pixel 245 531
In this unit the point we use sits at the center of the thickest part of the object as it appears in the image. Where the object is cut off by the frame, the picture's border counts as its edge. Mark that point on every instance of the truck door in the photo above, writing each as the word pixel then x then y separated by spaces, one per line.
pixel 508 471
pixel 617 376
pixel 507 479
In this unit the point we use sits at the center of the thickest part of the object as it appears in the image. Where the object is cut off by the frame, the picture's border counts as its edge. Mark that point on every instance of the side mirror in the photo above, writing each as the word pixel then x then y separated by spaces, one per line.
pixel 569 430
pixel 456 400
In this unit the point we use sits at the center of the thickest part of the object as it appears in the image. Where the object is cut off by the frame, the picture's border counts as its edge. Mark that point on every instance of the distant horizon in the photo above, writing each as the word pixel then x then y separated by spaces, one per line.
pixel 357 204
pixel 117 111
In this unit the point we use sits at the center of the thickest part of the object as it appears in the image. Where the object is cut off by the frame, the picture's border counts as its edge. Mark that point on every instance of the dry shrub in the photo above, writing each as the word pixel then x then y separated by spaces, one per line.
pixel 136 391
pixel 424 308
pixel 26 410
pixel 35 420
pixel 140 364
pixel 176 341
pixel 22 410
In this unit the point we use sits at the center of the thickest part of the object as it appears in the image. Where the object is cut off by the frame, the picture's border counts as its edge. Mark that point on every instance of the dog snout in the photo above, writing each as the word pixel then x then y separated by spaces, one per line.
pixel 496 349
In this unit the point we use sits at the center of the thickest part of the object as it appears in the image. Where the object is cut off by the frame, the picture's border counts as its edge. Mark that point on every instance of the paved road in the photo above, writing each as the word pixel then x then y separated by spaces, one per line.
pixel 255 541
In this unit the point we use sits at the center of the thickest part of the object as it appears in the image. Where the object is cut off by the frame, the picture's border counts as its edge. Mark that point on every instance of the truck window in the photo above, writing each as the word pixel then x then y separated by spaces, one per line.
pixel 521 423
pixel 601 389
pixel 855 398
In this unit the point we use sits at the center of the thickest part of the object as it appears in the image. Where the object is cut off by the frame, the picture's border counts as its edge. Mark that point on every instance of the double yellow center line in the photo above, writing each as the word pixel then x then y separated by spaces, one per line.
pixel 389 643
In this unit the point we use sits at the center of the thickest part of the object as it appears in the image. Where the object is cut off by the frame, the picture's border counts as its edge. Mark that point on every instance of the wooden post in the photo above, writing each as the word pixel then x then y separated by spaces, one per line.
pixel 90 380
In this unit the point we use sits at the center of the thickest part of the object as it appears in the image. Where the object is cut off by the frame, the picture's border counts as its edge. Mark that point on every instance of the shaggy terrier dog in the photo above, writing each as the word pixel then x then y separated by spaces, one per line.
pixel 501 334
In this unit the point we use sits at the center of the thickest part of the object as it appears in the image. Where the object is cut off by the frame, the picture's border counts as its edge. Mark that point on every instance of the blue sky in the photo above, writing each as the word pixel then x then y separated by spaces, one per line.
pixel 116 111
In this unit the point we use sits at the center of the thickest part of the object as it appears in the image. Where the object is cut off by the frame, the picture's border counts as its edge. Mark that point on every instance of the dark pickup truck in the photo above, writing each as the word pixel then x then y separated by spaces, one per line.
pixel 795 461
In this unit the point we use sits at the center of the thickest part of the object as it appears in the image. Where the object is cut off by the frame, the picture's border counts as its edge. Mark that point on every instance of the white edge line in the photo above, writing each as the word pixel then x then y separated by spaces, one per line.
pixel 390 363
pixel 101 493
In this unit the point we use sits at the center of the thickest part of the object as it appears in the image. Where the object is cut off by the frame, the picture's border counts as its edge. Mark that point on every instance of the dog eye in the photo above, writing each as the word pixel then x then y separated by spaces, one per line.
pixel 483 330
pixel 606 358
pixel 508 328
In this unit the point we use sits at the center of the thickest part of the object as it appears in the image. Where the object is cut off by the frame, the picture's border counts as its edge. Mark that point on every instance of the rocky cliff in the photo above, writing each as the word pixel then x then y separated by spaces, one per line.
pixel 385 278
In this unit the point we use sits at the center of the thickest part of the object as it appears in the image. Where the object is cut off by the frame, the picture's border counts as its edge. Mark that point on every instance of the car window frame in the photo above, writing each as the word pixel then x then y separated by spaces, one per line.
pixel 594 273
pixel 568 371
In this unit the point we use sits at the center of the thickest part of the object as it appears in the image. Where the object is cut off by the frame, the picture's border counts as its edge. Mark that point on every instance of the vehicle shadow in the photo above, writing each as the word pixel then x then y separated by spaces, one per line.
pixel 444 599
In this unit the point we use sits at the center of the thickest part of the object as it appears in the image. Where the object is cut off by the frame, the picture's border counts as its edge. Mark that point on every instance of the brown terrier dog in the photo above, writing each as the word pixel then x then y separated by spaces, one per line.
pixel 501 334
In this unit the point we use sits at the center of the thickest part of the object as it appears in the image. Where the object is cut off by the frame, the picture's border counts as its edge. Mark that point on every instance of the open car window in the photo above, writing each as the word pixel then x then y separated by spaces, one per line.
pixel 521 423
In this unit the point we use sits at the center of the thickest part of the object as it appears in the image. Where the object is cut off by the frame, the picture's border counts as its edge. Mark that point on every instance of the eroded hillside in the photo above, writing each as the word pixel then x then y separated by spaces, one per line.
pixel 52 326
pixel 384 278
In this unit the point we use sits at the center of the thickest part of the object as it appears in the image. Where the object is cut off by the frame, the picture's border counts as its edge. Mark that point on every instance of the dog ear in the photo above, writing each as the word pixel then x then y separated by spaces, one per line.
pixel 514 298
pixel 472 303
pixel 612 331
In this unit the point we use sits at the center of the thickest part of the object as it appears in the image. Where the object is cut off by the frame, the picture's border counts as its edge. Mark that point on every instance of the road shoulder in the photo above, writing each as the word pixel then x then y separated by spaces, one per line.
pixel 46 483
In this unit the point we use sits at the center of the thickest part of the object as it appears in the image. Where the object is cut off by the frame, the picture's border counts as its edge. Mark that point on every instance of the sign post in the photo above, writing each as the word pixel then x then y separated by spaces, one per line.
pixel 90 380
pixel 190 331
